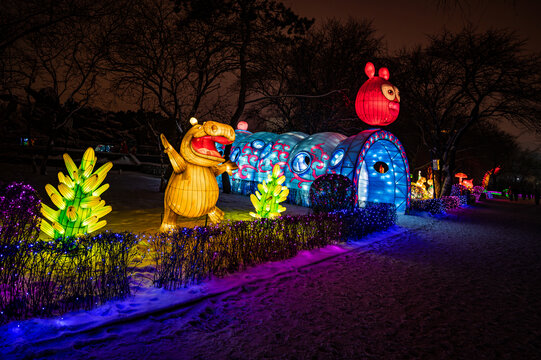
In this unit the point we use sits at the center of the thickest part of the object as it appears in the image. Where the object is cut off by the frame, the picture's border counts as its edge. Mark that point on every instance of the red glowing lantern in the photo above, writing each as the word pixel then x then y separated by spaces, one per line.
pixel 378 101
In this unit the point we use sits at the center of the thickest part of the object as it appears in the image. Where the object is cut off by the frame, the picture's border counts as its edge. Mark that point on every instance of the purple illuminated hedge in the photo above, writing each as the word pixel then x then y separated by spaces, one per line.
pixel 187 256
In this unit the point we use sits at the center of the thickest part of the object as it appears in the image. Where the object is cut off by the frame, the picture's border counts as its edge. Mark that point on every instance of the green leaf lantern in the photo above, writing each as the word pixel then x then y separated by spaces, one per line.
pixel 271 193
pixel 77 199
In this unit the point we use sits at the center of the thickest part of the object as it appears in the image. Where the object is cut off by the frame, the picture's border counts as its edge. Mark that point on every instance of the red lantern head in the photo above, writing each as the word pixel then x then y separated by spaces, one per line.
pixel 378 101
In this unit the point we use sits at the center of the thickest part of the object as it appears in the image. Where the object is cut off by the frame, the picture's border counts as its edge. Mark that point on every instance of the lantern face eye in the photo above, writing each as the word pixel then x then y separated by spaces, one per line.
pixel 337 157
pixel 301 162
pixel 388 91
pixel 258 144
pixel 381 167
pixel 235 155
pixel 397 93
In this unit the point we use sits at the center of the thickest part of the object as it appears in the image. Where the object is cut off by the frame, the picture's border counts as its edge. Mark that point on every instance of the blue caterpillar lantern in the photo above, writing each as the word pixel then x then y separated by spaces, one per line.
pixel 373 159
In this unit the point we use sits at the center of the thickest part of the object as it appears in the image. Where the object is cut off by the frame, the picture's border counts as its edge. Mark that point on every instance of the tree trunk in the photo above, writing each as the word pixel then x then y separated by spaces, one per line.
pixel 49 147
pixel 448 171
pixel 226 186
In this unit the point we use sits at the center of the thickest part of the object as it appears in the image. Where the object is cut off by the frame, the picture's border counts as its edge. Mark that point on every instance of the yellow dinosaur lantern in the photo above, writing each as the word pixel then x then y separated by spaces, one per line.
pixel 192 190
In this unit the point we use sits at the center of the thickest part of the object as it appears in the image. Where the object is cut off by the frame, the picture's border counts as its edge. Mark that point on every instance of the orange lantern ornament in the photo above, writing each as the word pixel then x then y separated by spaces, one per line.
pixel 378 101
pixel 192 190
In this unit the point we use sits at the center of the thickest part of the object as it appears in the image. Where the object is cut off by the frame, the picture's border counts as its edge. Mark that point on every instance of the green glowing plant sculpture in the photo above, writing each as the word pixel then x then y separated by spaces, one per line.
pixel 77 199
pixel 271 193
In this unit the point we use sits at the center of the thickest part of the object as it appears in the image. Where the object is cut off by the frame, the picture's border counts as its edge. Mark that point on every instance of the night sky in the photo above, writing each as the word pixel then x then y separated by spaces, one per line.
pixel 407 23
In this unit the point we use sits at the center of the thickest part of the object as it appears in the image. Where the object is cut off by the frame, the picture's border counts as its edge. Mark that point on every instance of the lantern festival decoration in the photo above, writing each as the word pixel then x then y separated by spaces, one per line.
pixel 374 159
pixel 270 194
pixel 192 190
pixel 488 174
pixel 78 202
pixel 461 176
pixel 378 101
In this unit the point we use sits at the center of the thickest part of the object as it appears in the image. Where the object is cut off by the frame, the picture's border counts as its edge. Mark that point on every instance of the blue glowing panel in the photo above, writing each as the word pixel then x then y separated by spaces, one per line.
pixel 378 183
pixel 278 153
pixel 376 163
pixel 344 157
pixel 308 161
pixel 247 159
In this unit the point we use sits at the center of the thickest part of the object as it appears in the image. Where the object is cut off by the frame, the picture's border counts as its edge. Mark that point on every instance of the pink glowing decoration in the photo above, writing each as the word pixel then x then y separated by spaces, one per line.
pixel 468 184
pixel 378 101
pixel 242 125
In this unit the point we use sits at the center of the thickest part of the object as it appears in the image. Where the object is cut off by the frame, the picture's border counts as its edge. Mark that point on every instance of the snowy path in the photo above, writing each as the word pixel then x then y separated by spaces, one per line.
pixel 462 287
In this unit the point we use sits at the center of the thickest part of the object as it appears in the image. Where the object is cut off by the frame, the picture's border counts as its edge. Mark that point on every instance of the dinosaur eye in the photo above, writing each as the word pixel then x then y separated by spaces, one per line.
pixel 388 91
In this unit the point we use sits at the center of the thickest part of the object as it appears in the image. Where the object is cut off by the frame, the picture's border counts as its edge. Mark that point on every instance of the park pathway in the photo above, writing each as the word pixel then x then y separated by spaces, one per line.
pixel 462 287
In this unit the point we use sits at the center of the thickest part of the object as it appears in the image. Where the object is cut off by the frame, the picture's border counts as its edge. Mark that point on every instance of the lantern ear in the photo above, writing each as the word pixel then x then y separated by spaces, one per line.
pixel 369 70
pixel 384 73
pixel 193 121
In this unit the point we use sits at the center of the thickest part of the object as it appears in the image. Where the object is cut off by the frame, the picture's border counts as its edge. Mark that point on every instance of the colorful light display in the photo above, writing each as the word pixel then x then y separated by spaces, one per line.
pixel 378 101
pixel 192 190
pixel 488 174
pixel 77 199
pixel 270 194
pixel 373 159
pixel 304 158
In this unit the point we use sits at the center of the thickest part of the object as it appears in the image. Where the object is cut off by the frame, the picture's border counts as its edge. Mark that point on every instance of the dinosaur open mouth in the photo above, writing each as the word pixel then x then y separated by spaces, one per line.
pixel 206 145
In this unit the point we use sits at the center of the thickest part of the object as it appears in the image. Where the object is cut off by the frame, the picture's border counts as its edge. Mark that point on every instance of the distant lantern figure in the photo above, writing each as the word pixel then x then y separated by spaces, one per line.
pixel 378 101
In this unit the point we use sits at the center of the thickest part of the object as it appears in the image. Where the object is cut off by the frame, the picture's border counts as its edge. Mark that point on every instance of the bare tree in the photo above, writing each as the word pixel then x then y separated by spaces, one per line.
pixel 327 68
pixel 462 79
pixel 61 65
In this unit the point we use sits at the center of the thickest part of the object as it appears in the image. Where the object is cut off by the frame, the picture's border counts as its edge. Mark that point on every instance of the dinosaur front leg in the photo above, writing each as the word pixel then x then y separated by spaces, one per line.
pixel 216 215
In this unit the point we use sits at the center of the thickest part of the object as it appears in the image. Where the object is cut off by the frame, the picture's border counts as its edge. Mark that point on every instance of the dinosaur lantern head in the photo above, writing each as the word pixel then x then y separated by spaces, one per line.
pixel 378 101
pixel 198 146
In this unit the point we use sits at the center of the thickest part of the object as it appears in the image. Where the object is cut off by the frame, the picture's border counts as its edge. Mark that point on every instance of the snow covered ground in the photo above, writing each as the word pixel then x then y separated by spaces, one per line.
pixel 462 286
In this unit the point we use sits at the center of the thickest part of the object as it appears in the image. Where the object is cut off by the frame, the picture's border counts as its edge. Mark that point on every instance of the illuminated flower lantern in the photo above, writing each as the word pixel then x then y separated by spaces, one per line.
pixel 192 190
pixel 378 101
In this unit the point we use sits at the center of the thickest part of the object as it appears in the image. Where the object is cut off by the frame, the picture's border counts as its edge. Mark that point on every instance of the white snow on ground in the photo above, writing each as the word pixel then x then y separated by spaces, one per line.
pixel 462 286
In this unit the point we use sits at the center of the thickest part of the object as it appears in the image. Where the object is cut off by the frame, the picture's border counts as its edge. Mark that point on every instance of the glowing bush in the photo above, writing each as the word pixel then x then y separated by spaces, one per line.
pixel 331 192
pixel 451 202
pixel 432 206
pixel 53 277
pixel 77 199
pixel 458 189
pixel 186 256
